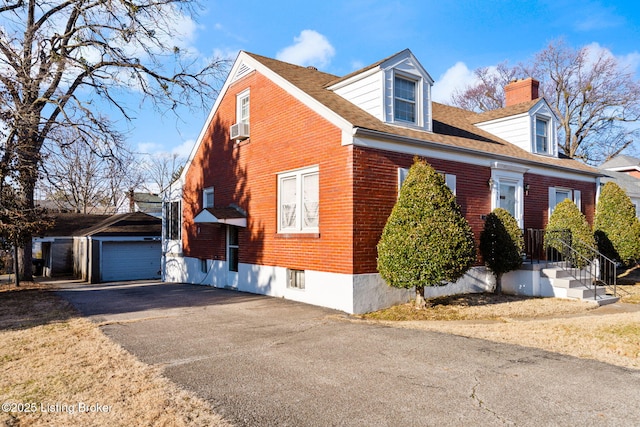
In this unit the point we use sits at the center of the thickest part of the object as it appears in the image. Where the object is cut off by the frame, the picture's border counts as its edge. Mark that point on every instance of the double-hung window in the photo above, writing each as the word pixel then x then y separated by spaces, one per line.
pixel 242 107
pixel 299 201
pixel 207 198
pixel 558 194
pixel 542 136
pixel 404 99
pixel 449 179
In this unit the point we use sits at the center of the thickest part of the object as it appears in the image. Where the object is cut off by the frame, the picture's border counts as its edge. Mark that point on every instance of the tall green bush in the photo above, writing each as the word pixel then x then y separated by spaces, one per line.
pixel 426 240
pixel 569 223
pixel 616 226
pixel 501 244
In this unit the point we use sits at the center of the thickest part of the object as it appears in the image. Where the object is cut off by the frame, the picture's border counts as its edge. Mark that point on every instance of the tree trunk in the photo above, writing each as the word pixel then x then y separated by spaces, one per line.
pixel 26 253
pixel 16 265
pixel 420 302
pixel 498 289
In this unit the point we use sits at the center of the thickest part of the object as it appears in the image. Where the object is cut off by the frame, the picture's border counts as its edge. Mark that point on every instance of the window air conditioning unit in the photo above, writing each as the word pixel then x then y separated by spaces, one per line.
pixel 239 131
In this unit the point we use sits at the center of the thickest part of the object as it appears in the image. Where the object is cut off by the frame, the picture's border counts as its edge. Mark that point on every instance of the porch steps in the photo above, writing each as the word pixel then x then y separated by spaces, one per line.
pixel 575 289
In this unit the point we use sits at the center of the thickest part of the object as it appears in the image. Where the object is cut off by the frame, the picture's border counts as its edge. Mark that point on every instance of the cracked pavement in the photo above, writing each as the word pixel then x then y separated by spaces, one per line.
pixel 264 361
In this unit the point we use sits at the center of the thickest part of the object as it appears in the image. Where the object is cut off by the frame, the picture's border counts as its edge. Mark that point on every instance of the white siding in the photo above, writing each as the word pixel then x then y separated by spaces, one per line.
pixel 366 93
pixel 515 129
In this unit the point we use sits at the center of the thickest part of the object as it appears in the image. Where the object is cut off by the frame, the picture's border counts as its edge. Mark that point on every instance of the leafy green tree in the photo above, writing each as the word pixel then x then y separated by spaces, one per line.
pixel 426 240
pixel 616 226
pixel 567 223
pixel 501 244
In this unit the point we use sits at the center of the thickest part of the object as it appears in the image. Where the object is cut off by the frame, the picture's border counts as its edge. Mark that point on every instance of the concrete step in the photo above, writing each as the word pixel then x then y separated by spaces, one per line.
pixel 567 283
pixel 555 272
pixel 585 293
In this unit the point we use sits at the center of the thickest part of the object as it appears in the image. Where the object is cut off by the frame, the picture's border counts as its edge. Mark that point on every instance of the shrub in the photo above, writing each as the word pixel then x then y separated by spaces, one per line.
pixel 567 221
pixel 616 226
pixel 426 240
pixel 501 244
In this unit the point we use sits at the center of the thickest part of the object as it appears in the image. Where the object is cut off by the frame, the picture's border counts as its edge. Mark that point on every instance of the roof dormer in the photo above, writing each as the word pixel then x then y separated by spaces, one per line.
pixel 527 120
pixel 396 90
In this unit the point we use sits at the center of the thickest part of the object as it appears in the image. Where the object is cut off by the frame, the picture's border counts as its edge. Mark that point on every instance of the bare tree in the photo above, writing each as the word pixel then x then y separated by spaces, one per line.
pixel 488 92
pixel 160 170
pixel 76 178
pixel 62 62
pixel 595 97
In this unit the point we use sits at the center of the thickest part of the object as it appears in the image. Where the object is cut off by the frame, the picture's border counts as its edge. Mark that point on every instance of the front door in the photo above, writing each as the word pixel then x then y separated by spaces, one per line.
pixel 508 198
pixel 232 256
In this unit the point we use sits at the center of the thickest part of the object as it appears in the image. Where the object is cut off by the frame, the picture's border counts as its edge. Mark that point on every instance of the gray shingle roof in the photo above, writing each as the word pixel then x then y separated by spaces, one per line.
pixel 452 127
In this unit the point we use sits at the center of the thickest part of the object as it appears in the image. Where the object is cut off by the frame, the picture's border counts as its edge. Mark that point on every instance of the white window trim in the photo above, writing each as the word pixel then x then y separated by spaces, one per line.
pixel 296 279
pixel 419 101
pixel 299 174
pixel 239 97
pixel 574 195
pixel 449 179
pixel 508 177
pixel 551 135
pixel 205 192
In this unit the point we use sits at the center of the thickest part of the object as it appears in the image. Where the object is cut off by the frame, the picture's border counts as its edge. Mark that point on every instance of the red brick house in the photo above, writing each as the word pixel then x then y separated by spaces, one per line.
pixel 290 183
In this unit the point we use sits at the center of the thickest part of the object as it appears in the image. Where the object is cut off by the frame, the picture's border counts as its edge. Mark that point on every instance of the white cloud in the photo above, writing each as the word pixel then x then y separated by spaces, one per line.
pixel 629 62
pixel 183 150
pixel 457 77
pixel 309 48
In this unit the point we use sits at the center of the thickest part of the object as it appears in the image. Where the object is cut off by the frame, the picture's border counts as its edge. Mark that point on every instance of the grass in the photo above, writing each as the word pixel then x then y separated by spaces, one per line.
pixel 51 356
pixel 481 307
pixel 569 327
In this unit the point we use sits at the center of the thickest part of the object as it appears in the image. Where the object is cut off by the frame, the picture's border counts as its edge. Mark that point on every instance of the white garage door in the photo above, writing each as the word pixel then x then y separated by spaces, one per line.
pixel 130 261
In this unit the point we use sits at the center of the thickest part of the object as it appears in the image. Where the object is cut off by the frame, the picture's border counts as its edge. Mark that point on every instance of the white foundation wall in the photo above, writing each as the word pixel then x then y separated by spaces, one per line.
pixel 530 281
pixel 354 294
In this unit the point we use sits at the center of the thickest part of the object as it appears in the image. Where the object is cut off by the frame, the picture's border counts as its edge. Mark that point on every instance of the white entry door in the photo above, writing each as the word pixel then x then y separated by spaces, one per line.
pixel 232 256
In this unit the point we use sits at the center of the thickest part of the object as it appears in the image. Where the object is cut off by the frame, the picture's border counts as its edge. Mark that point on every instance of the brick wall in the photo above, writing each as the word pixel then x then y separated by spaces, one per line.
pixel 285 135
pixel 376 191
pixel 536 203
pixel 358 186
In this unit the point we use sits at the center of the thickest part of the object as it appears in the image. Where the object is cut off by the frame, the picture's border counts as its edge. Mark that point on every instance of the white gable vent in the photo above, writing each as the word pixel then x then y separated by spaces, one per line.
pixel 239 131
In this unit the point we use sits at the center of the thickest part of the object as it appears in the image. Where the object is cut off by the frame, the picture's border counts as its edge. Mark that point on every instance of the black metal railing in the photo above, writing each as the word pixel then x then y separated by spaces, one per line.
pixel 583 262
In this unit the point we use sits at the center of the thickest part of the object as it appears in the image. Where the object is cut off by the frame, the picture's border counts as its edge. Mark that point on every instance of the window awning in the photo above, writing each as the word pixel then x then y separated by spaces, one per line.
pixel 229 215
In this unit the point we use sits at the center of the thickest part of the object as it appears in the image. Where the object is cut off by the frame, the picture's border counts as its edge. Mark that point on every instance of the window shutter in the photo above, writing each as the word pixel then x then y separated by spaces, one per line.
pixel 577 199
pixel 450 180
pixel 552 200
pixel 402 175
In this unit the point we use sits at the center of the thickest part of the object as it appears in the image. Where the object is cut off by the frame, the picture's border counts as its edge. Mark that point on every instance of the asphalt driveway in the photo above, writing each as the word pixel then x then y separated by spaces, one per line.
pixel 264 361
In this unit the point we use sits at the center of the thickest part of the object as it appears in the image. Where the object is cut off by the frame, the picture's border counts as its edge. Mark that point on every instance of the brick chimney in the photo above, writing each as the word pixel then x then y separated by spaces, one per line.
pixel 519 91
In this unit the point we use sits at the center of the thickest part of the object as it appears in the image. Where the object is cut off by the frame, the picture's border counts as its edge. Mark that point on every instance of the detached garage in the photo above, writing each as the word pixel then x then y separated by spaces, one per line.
pixel 123 247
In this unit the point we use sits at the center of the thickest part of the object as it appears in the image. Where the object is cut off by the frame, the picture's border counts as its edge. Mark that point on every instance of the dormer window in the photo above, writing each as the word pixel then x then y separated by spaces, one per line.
pixel 404 105
pixel 542 136
pixel 395 91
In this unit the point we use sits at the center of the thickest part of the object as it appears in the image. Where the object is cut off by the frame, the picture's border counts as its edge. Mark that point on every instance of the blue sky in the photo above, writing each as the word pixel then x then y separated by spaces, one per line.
pixel 449 38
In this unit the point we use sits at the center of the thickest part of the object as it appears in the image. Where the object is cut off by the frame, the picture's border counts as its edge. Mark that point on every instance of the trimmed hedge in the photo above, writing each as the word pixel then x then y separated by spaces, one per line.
pixel 567 219
pixel 616 226
pixel 426 240
pixel 501 244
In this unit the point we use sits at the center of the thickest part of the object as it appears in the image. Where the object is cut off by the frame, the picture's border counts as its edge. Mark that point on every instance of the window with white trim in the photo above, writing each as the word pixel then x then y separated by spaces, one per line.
pixel 242 107
pixel 299 201
pixel 172 220
pixel 404 99
pixel 542 142
pixel 207 198
pixel 449 179
pixel 558 194
pixel 295 279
